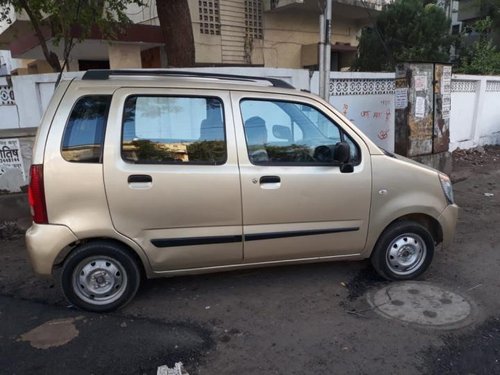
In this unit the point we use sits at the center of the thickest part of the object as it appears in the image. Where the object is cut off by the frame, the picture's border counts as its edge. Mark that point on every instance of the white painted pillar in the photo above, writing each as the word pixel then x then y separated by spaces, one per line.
pixel 478 110
pixel 123 56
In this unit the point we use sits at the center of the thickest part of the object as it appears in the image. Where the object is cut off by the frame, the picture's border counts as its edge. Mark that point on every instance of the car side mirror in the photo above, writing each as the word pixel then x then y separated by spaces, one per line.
pixel 342 154
pixel 282 132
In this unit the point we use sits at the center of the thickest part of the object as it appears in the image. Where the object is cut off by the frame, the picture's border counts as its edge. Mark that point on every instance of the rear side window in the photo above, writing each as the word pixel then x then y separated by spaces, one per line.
pixel 173 130
pixel 83 137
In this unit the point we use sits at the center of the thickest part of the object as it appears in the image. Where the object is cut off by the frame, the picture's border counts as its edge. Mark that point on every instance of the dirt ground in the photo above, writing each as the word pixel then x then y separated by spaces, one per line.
pixel 308 319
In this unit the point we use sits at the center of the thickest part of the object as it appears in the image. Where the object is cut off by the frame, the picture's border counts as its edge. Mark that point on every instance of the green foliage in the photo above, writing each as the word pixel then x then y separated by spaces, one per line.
pixel 69 20
pixel 213 152
pixel 406 30
pixel 481 57
pixel 204 152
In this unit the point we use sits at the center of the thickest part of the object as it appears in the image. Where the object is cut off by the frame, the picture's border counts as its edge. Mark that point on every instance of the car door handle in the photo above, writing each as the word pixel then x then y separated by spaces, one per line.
pixel 137 178
pixel 270 180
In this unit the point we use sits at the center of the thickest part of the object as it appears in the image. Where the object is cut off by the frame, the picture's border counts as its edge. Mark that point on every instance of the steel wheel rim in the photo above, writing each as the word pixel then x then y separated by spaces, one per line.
pixel 406 254
pixel 99 280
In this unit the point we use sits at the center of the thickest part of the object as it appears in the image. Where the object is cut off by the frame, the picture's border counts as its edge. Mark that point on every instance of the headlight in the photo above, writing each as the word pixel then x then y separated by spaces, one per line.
pixel 447 188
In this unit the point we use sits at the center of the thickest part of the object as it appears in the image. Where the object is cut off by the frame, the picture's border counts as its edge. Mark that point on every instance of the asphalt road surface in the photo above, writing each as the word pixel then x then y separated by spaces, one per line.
pixel 307 319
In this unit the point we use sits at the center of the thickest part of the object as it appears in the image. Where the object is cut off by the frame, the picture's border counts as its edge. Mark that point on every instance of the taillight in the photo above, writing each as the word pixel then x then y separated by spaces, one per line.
pixel 36 195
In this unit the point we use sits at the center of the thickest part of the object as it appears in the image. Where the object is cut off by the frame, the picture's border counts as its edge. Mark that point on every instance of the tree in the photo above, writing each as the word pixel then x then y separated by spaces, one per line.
pixel 69 22
pixel 406 30
pixel 481 57
pixel 175 23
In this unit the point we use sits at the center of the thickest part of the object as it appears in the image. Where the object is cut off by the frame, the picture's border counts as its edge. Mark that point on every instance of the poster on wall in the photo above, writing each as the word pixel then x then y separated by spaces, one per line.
pixel 401 98
pixel 421 83
pixel 446 107
pixel 10 155
pixel 420 107
pixel 446 92
pixel 446 81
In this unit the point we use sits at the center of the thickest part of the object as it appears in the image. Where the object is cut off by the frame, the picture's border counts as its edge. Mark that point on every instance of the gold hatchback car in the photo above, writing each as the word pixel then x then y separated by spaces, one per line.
pixel 165 173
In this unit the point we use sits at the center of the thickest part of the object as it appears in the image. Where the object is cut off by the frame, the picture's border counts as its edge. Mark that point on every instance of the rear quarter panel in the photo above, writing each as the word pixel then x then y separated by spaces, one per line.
pixel 74 192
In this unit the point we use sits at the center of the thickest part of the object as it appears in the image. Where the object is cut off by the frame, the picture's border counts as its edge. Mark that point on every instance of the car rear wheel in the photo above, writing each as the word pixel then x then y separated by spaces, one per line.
pixel 404 251
pixel 100 276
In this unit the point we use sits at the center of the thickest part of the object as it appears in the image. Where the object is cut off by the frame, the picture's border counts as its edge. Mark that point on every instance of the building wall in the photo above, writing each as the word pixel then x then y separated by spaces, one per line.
pixel 284 34
pixel 284 38
pixel 208 48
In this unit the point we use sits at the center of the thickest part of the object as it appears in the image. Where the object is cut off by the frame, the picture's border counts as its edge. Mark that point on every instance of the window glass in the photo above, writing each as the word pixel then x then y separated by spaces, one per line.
pixel 279 132
pixel 84 134
pixel 165 130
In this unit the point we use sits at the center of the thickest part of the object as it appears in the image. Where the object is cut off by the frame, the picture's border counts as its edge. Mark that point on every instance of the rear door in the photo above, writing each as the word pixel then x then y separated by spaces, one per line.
pixel 296 202
pixel 171 176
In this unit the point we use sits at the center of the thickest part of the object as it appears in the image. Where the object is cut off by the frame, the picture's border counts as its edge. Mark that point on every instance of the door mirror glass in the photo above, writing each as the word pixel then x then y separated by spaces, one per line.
pixel 342 152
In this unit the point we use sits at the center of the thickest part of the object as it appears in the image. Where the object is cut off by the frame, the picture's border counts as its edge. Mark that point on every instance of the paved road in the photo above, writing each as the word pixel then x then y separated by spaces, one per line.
pixel 310 319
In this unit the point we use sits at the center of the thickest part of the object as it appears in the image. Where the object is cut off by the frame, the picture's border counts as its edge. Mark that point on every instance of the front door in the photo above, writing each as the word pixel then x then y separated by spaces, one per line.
pixel 296 202
pixel 172 178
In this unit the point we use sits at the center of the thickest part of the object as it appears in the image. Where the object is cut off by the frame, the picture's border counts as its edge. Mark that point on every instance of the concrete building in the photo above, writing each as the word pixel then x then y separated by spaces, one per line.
pixel 269 33
pixel 469 12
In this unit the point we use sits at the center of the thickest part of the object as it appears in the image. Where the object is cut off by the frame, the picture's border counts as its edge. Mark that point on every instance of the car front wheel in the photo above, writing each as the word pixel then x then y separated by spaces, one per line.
pixel 404 251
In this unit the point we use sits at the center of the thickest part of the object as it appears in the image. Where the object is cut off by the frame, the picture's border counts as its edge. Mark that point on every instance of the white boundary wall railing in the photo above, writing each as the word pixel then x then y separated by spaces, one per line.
pixel 23 102
pixel 367 99
pixel 475 111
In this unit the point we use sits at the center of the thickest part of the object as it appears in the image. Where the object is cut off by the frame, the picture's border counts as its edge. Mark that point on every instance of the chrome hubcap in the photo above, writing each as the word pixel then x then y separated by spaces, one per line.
pixel 406 253
pixel 99 280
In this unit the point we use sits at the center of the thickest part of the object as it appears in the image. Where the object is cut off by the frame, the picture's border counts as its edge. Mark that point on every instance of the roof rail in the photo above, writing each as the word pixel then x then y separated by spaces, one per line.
pixel 103 74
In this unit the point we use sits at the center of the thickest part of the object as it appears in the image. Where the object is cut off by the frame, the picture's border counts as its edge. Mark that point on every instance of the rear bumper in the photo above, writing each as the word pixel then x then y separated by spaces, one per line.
pixel 448 221
pixel 44 243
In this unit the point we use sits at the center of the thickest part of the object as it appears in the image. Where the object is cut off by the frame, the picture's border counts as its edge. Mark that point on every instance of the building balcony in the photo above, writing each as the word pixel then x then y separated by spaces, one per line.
pixel 312 5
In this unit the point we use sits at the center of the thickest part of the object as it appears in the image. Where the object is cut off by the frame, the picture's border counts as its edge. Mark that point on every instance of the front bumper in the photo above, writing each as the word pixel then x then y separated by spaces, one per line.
pixel 44 243
pixel 448 221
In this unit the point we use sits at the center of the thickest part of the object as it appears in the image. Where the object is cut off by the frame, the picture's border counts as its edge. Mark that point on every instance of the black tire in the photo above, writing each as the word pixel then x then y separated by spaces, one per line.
pixel 403 252
pixel 100 276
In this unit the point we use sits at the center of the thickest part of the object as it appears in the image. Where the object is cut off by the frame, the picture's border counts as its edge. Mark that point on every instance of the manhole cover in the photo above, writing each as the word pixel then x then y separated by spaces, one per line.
pixel 420 303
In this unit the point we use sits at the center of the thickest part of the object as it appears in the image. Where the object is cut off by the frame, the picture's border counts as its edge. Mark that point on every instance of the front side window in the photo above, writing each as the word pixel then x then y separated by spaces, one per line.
pixel 84 134
pixel 173 130
pixel 280 132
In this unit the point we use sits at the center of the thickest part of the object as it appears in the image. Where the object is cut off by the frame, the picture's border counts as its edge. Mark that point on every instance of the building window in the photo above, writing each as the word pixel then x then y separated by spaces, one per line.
pixel 209 17
pixel 253 18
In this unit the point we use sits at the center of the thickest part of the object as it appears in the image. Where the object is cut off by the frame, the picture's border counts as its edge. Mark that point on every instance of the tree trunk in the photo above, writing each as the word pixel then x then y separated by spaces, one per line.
pixel 175 23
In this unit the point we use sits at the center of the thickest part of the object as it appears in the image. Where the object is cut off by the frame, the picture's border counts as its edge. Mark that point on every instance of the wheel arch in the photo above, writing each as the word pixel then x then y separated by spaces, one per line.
pixel 138 256
pixel 427 221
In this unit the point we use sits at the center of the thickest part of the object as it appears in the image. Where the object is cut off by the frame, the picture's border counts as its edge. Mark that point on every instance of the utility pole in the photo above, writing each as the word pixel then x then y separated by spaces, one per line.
pixel 328 49
pixel 325 50
pixel 321 57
